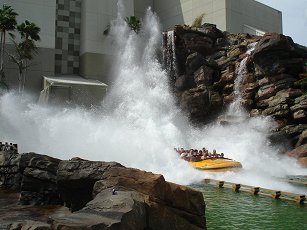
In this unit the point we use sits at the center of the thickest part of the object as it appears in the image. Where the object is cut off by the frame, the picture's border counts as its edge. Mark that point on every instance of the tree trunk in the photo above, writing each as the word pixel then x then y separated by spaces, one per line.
pixel 2 54
pixel 1 40
pixel 20 77
pixel 24 76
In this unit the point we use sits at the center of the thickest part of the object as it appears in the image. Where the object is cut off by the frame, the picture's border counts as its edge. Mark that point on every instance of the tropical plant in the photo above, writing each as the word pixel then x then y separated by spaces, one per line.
pixel 29 31
pixel 134 23
pixel 25 50
pixel 198 21
pixel 7 23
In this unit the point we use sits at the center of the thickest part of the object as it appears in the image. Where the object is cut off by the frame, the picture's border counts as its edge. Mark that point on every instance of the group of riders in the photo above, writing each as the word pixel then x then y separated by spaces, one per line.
pixel 198 155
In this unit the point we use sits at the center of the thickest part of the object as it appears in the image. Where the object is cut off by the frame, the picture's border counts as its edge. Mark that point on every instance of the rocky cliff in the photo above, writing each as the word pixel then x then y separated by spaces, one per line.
pixel 205 76
pixel 99 195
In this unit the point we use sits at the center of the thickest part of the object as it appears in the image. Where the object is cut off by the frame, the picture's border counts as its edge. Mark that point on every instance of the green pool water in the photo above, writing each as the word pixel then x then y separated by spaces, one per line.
pixel 226 209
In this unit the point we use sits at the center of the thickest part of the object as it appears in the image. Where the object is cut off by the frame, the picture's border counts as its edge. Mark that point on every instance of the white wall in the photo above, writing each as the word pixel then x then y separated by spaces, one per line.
pixel 254 14
pixel 41 12
pixel 173 12
pixel 95 16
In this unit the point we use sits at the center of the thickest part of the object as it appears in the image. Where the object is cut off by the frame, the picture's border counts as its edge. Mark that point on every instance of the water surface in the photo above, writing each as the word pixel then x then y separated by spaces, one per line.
pixel 229 210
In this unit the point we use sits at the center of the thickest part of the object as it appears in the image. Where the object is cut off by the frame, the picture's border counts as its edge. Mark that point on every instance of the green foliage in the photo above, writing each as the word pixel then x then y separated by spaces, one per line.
pixel 7 18
pixel 134 23
pixel 25 50
pixel 29 31
pixel 7 23
pixel 198 21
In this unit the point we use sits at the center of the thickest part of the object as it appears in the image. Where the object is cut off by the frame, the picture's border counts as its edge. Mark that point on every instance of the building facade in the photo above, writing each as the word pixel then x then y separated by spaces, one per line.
pixel 73 42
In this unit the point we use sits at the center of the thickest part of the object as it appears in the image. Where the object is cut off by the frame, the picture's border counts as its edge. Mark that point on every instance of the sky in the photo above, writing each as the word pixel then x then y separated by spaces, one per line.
pixel 294 16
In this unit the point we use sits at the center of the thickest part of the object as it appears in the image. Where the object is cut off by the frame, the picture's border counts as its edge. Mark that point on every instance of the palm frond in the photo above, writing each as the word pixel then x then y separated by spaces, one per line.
pixel 198 21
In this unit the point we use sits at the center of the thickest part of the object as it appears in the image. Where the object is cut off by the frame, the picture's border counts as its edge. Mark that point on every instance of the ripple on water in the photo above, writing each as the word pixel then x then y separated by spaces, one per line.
pixel 229 210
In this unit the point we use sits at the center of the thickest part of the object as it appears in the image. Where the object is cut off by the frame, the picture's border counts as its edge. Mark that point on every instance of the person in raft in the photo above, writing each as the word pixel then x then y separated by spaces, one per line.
pixel 197 155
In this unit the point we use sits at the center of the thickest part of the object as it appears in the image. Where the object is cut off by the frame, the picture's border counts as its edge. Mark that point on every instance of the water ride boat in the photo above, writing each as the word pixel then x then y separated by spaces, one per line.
pixel 207 161
pixel 216 165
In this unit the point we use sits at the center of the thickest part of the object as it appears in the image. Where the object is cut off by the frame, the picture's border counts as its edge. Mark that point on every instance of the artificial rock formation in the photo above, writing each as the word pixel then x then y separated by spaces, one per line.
pixel 208 61
pixel 100 195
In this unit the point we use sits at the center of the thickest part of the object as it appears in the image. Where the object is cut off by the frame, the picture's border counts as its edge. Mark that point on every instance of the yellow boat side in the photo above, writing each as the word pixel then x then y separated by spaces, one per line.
pixel 216 164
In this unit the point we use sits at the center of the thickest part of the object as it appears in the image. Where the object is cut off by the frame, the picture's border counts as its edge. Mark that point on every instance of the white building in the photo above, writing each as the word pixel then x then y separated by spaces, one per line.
pixel 73 43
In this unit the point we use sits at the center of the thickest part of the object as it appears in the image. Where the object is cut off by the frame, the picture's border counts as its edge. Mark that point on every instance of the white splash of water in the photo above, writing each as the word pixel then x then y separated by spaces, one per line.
pixel 139 125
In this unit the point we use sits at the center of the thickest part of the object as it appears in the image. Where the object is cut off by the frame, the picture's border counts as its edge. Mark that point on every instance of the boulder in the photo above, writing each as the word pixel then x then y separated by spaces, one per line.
pixel 278 111
pixel 204 76
pixel 114 196
pixel 195 42
pixel 9 170
pixel 302 139
pixel 194 61
pixel 108 210
pixel 300 115
pixel 29 225
pixel 33 174
pixel 302 162
pixel 206 30
pixel 273 42
pixel 80 175
pixel 300 103
pixel 38 184
pixel 265 92
pixel 273 54
pixel 184 82
pixel 201 102
pixel 211 31
pixel 236 51
pixel 300 151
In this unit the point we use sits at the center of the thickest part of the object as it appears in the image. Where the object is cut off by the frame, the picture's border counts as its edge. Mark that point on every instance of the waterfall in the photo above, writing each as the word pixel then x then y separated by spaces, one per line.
pixel 235 108
pixel 169 52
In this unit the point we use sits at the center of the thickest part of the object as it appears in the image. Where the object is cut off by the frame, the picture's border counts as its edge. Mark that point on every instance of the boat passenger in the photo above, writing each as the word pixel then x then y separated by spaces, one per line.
pixel 222 155
pixel 214 154
pixel 183 155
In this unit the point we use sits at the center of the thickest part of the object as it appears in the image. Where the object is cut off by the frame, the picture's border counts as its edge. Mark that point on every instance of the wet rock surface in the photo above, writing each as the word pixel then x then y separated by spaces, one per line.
pixel 82 194
pixel 270 86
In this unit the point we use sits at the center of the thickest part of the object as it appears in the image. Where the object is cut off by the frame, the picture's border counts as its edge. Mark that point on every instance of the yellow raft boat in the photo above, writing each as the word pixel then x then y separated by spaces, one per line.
pixel 216 165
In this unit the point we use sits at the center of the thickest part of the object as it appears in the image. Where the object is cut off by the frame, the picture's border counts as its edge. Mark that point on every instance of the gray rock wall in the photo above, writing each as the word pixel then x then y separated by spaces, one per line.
pixel 208 61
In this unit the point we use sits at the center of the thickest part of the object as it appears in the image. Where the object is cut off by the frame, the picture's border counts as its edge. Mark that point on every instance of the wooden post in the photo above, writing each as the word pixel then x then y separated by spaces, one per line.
pixel 236 187
pixel 300 199
pixel 276 194
pixel 255 190
pixel 221 184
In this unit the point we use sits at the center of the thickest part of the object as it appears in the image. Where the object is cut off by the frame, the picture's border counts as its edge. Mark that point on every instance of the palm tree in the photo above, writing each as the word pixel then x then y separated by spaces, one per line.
pixel 7 23
pixel 18 58
pixel 26 49
pixel 29 31
pixel 134 23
